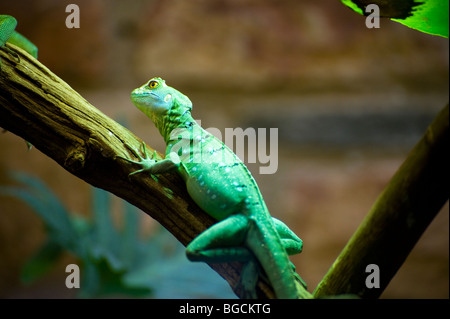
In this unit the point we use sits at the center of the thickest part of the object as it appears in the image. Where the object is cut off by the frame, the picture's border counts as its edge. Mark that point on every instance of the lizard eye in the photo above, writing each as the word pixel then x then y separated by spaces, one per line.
pixel 153 84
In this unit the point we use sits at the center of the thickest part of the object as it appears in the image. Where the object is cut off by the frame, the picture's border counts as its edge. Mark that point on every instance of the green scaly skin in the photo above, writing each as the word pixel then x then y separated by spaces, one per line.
pixel 224 188
pixel 8 34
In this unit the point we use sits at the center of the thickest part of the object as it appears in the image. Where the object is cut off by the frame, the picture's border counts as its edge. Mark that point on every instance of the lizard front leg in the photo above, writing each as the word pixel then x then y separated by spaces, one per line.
pixel 149 165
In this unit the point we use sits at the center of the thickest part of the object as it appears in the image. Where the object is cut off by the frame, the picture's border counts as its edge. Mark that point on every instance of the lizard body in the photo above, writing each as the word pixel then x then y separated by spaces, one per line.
pixel 8 34
pixel 224 188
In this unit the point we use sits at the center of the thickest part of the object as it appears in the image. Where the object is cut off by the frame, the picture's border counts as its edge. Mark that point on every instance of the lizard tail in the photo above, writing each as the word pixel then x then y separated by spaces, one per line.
pixel 264 242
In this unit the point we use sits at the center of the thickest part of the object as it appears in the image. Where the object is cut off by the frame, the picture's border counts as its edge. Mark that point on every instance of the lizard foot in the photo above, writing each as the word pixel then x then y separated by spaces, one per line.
pixel 145 162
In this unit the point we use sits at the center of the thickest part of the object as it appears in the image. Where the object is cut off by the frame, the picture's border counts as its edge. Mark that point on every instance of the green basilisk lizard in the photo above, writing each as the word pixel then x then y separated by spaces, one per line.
pixel 224 188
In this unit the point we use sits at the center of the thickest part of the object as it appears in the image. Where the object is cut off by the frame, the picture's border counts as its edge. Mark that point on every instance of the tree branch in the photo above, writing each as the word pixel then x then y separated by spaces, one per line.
pixel 403 211
pixel 38 106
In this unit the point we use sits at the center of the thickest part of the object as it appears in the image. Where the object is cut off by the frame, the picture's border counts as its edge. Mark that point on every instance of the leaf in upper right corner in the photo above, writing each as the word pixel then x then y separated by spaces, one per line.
pixel 428 16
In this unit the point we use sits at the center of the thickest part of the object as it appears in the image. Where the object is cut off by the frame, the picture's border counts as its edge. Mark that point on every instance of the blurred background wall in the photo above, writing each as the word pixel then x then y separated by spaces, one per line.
pixel 349 103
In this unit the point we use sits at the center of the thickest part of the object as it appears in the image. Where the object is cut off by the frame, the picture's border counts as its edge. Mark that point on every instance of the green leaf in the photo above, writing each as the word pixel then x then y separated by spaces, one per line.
pixel 42 262
pixel 41 199
pixel 90 280
pixel 353 6
pixel 168 270
pixel 428 16
pixel 106 242
pixel 114 261
pixel 130 235
pixel 100 279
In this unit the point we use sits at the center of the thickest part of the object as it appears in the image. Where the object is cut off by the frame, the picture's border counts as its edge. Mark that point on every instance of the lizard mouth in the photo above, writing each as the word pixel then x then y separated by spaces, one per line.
pixel 143 94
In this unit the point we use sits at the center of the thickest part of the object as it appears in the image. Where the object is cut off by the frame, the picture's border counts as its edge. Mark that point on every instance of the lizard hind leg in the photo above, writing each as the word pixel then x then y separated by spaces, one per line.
pixel 7 26
pixel 23 43
pixel 8 34
pixel 291 243
pixel 223 242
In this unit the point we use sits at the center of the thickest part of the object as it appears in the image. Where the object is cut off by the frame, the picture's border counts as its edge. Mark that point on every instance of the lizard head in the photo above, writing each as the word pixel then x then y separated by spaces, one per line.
pixel 156 99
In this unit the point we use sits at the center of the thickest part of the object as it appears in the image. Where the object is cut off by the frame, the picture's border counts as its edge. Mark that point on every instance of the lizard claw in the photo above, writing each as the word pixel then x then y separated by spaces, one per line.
pixel 144 161
pixel 136 154
pixel 135 172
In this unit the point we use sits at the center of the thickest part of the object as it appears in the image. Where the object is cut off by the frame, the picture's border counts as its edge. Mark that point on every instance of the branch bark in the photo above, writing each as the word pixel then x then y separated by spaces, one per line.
pixel 41 108
pixel 403 211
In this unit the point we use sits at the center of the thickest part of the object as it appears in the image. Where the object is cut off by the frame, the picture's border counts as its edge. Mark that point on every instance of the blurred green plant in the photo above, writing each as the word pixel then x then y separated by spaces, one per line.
pixel 112 261
pixel 428 16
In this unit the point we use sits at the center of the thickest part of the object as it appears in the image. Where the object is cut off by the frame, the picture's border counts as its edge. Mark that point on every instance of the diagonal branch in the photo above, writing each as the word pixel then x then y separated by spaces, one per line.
pixel 38 106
